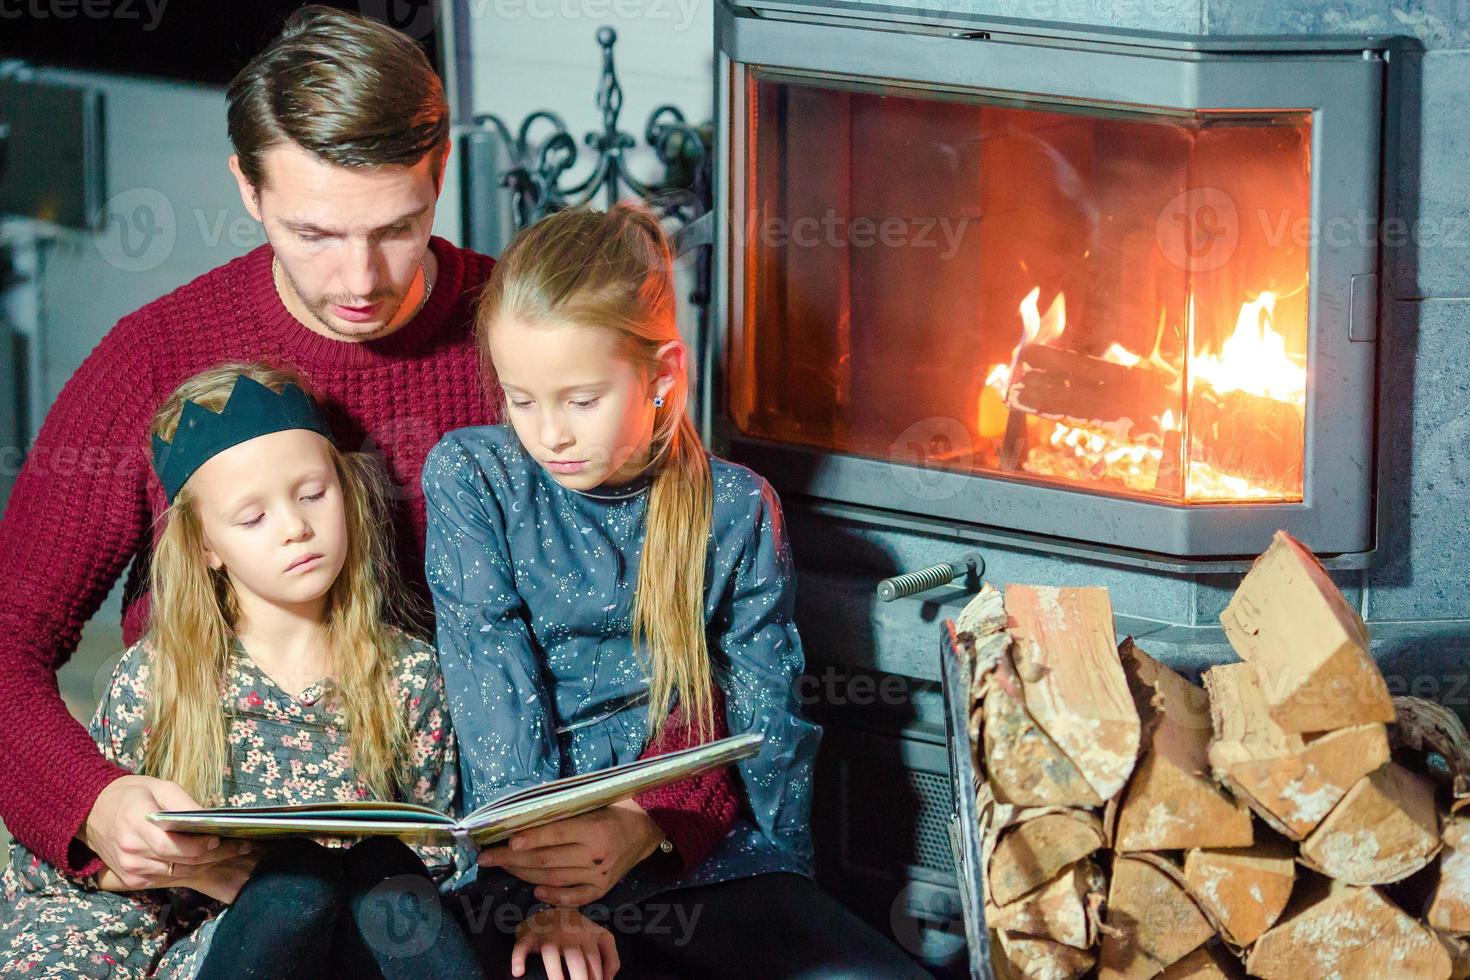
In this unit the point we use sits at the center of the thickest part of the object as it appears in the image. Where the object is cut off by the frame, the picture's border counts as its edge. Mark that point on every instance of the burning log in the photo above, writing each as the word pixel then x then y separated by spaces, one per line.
pixel 1080 389
pixel 1249 436
pixel 1309 648
pixel 1171 802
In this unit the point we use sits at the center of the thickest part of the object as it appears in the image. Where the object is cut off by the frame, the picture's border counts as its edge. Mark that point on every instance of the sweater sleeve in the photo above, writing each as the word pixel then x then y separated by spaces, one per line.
pixel 694 813
pixel 76 516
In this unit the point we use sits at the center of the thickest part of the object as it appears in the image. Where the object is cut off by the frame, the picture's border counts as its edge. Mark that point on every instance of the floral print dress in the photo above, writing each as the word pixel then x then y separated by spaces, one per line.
pixel 284 749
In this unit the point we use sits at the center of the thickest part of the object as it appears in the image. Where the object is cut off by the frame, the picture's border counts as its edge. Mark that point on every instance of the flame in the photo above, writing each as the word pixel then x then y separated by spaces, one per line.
pixel 1149 457
pixel 1253 359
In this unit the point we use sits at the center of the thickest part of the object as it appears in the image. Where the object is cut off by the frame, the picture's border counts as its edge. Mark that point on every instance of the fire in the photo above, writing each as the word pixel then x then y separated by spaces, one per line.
pixel 1230 402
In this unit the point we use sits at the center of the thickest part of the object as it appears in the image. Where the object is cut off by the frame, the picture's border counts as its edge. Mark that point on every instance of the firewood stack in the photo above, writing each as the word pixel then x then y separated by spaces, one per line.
pixel 1288 819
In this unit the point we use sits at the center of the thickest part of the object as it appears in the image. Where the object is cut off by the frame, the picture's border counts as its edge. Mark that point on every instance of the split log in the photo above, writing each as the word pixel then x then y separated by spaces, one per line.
pixel 1152 922
pixel 1067 658
pixel 1449 909
pixel 1342 930
pixel 1384 830
pixel 1249 436
pixel 1022 763
pixel 1309 647
pixel 1036 849
pixel 1209 962
pixel 1041 959
pixel 1291 781
pixel 1060 910
pixel 1245 889
pixel 1171 802
pixel 1459 949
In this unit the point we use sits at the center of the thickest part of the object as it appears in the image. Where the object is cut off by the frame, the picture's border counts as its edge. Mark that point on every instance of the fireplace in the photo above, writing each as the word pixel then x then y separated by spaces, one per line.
pixel 1114 290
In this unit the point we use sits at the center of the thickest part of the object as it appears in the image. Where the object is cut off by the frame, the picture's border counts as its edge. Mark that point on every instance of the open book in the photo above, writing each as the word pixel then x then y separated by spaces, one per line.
pixel 512 811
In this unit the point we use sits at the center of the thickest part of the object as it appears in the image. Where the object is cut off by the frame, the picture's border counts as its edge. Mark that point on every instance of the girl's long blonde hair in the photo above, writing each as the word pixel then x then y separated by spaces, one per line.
pixel 195 611
pixel 614 271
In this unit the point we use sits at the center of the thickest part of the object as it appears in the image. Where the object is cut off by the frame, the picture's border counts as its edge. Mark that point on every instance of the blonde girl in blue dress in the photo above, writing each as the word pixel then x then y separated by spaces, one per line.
pixel 591 566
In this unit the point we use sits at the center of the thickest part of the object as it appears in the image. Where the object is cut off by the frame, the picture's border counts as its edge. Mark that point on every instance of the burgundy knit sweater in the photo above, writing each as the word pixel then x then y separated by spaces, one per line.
pixel 83 506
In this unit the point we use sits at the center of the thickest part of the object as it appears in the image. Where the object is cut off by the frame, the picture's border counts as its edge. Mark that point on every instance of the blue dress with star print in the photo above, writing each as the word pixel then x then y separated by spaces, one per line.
pixel 533 596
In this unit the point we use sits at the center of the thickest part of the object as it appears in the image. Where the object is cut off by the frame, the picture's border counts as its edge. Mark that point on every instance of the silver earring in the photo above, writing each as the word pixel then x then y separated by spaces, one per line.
pixel 658 401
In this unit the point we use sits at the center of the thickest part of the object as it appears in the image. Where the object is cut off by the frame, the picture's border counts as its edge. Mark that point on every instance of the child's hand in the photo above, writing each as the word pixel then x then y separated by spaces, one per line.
pixel 561 933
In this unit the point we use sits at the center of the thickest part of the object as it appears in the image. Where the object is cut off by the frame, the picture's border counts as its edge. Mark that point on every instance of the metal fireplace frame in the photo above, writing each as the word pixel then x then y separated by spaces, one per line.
pixel 1343 81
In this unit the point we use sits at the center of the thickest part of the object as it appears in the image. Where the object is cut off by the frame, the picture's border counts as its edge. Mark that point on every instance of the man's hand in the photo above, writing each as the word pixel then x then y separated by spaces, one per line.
pixel 221 882
pixel 140 854
pixel 578 860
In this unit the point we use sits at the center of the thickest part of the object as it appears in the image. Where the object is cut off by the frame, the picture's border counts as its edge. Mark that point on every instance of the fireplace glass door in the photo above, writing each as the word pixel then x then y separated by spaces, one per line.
pixel 1114 300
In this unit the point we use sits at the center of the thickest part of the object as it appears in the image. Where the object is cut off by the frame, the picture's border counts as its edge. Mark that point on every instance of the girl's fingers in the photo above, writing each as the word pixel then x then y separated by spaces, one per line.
pixel 551 961
pixel 576 963
pixel 608 946
pixel 518 955
pixel 593 956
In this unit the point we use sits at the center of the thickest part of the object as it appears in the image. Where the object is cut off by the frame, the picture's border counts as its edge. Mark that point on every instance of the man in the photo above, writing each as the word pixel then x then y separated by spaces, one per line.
pixel 341 134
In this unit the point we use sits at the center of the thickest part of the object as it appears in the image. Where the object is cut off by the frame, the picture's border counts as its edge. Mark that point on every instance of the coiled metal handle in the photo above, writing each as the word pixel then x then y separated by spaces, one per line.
pixel 971 565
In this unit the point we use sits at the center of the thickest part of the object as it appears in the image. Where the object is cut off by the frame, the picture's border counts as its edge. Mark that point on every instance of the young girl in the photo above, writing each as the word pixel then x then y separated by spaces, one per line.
pixel 591 565
pixel 271 675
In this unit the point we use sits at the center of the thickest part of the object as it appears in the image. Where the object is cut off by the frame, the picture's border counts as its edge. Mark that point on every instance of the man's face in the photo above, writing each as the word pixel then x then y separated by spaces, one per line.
pixel 350 242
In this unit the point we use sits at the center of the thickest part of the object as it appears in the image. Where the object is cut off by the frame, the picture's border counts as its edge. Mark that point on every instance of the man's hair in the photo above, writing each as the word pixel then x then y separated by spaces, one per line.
pixel 349 90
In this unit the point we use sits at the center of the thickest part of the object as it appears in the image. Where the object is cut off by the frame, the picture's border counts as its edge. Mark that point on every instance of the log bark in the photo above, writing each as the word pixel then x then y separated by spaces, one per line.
pixel 1032 852
pixel 1067 658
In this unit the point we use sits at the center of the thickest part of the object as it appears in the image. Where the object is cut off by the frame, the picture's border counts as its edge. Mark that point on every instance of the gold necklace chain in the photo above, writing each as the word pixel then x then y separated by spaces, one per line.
pixel 423 267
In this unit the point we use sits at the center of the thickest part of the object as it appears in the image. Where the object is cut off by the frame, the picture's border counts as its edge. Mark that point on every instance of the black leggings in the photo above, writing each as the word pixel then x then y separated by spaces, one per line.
pixel 766 927
pixel 367 912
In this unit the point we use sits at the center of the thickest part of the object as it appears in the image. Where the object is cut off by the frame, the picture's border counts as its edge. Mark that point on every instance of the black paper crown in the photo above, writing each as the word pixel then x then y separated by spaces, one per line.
pixel 252 410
